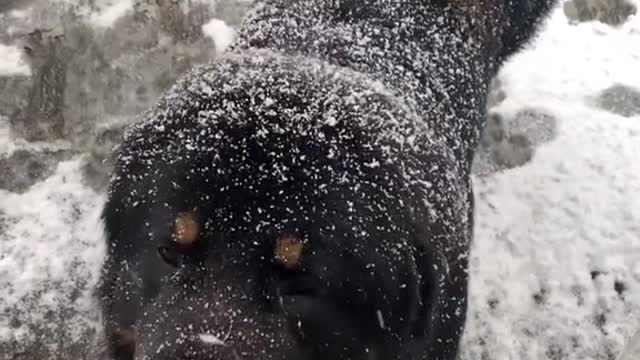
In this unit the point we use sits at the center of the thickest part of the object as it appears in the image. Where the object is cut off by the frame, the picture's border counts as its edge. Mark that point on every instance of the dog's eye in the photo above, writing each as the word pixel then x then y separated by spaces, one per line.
pixel 169 256
pixel 288 250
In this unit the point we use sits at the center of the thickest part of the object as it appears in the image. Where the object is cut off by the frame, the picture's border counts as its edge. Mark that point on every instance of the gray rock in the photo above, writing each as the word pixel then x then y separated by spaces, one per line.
pixel 539 127
pixel 9 5
pixel 496 94
pixel 515 151
pixel 494 131
pixel 99 163
pixel 510 153
pixel 14 92
pixel 612 12
pixel 483 164
pixel 42 118
pixel 511 142
pixel 620 99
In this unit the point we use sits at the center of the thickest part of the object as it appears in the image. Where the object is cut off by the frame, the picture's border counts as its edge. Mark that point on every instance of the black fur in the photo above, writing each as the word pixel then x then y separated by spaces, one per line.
pixel 524 17
pixel 350 123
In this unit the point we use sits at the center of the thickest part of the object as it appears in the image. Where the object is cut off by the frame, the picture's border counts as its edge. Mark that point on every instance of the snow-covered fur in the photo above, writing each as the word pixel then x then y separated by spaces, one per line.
pixel 349 123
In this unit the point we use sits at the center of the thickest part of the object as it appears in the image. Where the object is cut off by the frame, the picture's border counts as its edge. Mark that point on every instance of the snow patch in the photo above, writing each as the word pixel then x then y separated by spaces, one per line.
pixel 108 16
pixel 557 244
pixel 573 62
pixel 632 351
pixel 51 247
pixel 11 61
pixel 221 34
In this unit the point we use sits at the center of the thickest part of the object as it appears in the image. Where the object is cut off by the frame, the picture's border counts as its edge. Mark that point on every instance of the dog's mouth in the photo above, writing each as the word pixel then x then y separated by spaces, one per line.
pixel 279 295
pixel 301 318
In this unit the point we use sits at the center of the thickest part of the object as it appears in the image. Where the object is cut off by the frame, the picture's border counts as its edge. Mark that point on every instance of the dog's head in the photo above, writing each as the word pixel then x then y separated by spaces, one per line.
pixel 304 292
pixel 270 242
pixel 273 271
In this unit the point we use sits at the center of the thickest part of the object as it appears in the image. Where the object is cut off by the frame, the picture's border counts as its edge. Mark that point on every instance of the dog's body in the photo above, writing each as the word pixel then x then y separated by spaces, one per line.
pixel 346 128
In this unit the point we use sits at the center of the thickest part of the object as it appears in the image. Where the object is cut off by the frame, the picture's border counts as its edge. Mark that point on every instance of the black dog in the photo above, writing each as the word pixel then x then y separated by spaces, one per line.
pixel 307 196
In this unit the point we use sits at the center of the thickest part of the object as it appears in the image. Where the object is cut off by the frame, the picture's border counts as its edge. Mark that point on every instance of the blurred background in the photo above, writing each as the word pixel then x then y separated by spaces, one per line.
pixel 556 260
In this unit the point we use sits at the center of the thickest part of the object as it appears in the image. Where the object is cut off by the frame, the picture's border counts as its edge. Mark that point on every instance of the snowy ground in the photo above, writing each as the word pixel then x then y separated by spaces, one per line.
pixel 556 259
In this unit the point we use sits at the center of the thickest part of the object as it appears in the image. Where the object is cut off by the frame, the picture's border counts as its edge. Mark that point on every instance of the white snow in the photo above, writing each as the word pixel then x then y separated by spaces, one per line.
pixel 11 61
pixel 211 339
pixel 221 33
pixel 543 228
pixel 111 13
pixel 632 352
pixel 51 243
pixel 571 62
pixel 380 319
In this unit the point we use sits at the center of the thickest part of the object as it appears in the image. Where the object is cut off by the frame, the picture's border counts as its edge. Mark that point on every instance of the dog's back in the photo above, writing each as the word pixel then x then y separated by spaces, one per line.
pixel 437 55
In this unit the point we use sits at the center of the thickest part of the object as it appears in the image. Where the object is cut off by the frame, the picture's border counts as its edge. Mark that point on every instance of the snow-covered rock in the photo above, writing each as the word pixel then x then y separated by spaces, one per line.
pixel 620 99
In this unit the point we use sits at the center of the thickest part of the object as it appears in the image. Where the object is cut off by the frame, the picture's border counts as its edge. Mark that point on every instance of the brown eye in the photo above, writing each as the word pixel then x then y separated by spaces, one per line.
pixel 288 250
pixel 186 229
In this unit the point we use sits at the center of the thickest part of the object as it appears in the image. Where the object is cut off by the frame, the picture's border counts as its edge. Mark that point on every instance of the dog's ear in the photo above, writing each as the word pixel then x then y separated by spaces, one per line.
pixel 523 19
